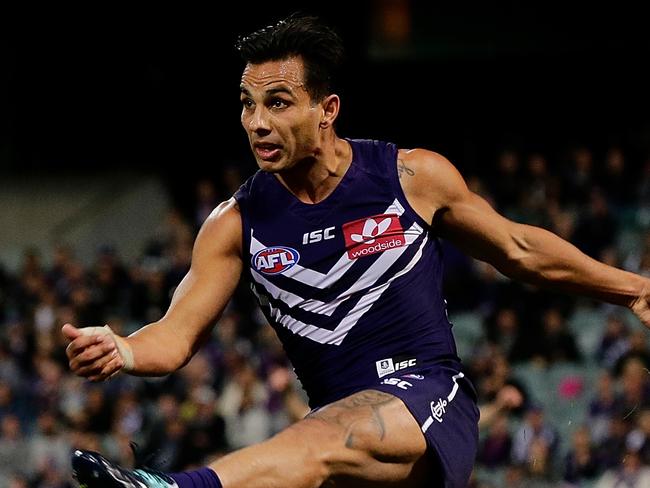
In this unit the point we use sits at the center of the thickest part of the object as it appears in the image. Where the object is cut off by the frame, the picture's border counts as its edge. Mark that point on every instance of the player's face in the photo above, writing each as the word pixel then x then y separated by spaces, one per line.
pixel 278 115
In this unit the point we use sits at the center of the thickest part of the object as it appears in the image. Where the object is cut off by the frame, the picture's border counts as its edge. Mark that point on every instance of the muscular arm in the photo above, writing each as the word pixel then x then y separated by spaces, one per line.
pixel 167 344
pixel 439 194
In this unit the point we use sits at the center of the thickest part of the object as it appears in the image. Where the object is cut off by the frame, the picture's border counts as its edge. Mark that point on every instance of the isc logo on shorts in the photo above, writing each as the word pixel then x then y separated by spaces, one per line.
pixel 404 385
pixel 390 365
pixel 274 260
pixel 371 235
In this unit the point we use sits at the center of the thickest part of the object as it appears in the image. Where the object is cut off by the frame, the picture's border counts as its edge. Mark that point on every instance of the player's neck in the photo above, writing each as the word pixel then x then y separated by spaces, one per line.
pixel 314 180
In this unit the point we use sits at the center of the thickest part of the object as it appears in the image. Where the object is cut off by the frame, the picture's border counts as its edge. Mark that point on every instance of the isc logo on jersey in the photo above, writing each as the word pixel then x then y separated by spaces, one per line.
pixel 390 365
pixel 275 260
pixel 371 235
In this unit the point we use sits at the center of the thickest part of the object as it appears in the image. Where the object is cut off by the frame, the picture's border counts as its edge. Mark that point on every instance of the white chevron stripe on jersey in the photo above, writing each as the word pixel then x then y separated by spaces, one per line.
pixel 366 280
pixel 336 336
pixel 315 278
pixel 395 208
pixel 287 297
pixel 370 276
pixel 309 276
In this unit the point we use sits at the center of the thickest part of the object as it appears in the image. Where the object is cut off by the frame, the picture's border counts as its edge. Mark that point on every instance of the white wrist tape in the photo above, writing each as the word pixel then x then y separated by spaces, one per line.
pixel 123 348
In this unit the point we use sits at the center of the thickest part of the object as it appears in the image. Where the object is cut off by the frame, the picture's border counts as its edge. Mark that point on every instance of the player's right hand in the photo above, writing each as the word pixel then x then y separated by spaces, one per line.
pixel 93 352
pixel 641 305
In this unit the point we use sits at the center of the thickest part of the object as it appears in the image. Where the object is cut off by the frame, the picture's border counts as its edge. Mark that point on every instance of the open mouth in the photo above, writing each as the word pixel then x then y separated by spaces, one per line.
pixel 267 151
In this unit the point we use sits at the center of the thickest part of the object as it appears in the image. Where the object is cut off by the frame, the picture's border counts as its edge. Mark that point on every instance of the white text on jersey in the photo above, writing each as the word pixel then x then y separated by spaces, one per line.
pixel 318 235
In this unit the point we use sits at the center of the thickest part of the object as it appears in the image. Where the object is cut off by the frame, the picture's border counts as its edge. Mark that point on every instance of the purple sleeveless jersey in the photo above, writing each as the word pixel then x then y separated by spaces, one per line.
pixel 352 285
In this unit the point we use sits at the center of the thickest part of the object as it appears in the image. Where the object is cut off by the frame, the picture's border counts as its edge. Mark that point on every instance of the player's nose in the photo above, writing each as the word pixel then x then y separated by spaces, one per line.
pixel 259 121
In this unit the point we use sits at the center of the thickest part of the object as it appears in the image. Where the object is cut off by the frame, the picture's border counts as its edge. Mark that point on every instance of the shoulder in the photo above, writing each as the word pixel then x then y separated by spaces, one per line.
pixel 428 165
pixel 222 230
pixel 428 178
pixel 225 212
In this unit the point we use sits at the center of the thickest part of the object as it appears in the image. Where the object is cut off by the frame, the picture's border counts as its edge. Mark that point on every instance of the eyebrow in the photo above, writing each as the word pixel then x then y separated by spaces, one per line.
pixel 272 91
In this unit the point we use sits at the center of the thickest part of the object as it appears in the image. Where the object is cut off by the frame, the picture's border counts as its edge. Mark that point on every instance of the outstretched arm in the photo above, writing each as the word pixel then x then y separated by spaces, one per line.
pixel 164 346
pixel 439 194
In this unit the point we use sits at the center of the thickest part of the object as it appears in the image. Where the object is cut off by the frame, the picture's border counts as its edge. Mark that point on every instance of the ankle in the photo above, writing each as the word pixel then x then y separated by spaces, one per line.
pixel 201 478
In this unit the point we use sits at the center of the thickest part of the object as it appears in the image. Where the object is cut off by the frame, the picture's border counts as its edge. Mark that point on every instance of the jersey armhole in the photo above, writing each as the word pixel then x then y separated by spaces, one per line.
pixel 241 197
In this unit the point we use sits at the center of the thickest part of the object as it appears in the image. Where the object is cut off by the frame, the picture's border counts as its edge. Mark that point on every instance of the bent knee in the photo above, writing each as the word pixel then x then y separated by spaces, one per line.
pixel 319 437
pixel 316 446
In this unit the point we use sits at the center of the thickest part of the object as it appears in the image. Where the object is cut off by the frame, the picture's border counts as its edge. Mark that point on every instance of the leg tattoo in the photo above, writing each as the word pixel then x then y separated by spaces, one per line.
pixel 356 420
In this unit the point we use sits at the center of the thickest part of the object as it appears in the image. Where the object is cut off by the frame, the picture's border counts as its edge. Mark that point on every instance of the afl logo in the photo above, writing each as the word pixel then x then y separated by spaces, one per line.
pixel 275 260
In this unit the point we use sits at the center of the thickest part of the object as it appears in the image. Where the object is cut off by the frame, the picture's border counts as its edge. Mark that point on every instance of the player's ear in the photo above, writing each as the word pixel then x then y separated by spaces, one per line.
pixel 330 106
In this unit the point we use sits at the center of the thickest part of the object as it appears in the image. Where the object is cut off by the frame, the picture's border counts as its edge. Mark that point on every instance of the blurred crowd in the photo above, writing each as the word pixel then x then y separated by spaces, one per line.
pixel 580 367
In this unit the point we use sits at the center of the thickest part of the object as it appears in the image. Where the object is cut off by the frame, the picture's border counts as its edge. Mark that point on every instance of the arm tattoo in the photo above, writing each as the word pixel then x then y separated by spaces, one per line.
pixel 402 169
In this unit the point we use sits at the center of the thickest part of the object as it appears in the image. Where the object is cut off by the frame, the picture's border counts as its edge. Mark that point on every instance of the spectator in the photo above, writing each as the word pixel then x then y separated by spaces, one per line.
pixel 581 463
pixel 635 387
pixel 602 407
pixel 49 449
pixel 637 347
pixel 206 201
pixel 206 432
pixel 638 440
pixel 507 183
pixel 578 179
pixel 631 473
pixel 243 408
pixel 596 228
pixel 610 449
pixel 534 441
pixel 556 343
pixel 614 342
pixel 614 178
pixel 14 448
pixel 495 449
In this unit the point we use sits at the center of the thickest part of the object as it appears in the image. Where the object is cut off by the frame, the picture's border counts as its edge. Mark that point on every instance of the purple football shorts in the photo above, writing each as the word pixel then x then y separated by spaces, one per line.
pixel 443 401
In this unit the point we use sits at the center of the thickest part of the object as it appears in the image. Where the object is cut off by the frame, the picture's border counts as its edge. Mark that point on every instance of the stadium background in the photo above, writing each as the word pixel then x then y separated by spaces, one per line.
pixel 119 131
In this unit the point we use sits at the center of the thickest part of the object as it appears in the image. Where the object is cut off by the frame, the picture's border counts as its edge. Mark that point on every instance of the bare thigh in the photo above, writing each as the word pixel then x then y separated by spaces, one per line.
pixel 368 439
pixel 384 439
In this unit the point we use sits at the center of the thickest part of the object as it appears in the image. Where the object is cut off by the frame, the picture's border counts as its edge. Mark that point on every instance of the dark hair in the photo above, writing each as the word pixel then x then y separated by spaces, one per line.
pixel 319 46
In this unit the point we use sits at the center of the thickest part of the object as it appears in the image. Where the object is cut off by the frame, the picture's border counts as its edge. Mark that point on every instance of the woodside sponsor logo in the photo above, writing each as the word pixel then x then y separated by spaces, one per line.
pixel 371 235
